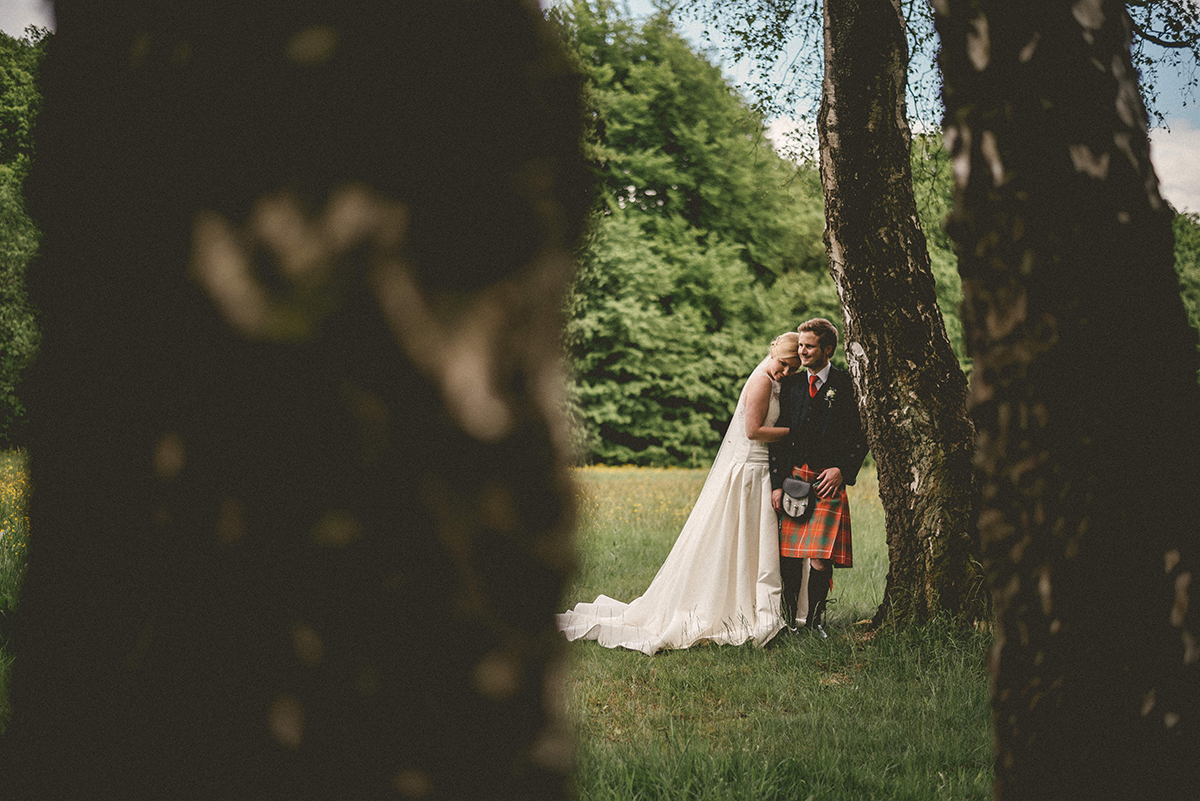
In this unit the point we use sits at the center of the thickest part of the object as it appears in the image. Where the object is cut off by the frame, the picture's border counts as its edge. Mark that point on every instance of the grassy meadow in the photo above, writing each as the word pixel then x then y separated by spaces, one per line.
pixel 858 716
pixel 14 538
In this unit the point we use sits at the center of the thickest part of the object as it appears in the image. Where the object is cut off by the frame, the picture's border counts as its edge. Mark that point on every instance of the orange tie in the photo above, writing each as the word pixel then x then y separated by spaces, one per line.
pixel 812 385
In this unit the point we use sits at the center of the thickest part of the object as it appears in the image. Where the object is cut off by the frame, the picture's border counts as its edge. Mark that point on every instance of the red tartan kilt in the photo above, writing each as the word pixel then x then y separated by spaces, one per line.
pixel 826 532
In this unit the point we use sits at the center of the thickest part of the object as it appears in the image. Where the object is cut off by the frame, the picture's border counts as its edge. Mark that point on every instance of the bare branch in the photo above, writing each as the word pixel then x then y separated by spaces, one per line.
pixel 1154 38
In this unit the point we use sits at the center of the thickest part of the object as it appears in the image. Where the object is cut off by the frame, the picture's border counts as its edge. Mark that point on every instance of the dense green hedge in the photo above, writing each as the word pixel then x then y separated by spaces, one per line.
pixel 19 103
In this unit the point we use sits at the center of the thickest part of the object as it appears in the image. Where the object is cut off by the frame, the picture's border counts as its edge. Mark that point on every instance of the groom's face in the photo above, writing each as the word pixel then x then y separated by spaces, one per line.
pixel 812 355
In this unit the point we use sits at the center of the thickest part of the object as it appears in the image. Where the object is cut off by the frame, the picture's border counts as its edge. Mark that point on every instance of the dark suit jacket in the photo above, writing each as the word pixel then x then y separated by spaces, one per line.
pixel 824 432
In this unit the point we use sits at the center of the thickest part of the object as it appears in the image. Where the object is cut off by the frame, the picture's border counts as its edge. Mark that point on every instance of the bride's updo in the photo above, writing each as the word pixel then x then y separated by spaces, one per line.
pixel 785 345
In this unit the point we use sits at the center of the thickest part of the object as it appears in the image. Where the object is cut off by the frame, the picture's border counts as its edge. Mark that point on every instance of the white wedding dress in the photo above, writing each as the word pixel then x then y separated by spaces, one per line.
pixel 720 583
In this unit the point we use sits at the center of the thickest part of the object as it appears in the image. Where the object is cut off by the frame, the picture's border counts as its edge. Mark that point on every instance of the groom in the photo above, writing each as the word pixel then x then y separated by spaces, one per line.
pixel 826 446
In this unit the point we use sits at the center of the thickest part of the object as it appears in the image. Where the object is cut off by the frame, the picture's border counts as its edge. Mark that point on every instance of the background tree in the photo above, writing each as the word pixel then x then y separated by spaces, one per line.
pixel 20 60
pixel 1084 394
pixel 1186 228
pixel 912 390
pixel 705 243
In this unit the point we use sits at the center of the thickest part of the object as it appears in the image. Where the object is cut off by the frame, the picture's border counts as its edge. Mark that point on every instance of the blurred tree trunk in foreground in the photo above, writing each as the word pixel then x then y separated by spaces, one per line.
pixel 912 393
pixel 1085 399
pixel 300 512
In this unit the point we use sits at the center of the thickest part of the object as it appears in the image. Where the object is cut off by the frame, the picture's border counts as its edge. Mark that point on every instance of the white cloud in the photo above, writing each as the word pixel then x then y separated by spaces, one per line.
pixel 793 139
pixel 16 14
pixel 1176 157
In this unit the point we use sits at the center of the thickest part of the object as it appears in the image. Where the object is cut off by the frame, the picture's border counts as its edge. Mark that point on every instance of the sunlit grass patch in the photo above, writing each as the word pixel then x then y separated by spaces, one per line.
pixel 628 519
pixel 14 542
pixel 14 524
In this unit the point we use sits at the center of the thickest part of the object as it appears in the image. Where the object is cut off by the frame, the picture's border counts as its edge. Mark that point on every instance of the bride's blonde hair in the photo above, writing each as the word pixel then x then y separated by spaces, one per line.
pixel 785 345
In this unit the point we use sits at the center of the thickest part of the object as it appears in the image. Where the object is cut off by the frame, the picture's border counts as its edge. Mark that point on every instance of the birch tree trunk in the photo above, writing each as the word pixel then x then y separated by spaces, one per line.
pixel 300 517
pixel 1085 399
pixel 912 394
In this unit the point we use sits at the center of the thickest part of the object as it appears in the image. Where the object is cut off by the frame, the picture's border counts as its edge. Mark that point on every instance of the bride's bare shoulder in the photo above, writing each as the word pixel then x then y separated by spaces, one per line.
pixel 759 383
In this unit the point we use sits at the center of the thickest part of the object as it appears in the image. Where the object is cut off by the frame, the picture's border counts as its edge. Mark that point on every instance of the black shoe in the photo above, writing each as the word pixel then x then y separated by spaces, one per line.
pixel 813 623
pixel 815 618
pixel 818 591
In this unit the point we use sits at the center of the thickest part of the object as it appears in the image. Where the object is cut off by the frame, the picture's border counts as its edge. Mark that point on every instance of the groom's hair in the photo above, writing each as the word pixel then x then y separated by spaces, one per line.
pixel 826 331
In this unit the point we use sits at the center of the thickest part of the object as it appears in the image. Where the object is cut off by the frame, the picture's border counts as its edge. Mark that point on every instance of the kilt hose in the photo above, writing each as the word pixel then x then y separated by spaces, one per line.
pixel 825 534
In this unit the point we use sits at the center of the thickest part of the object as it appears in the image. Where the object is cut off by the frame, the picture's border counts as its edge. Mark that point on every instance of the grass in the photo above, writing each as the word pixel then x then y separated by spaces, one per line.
pixel 14 540
pixel 894 715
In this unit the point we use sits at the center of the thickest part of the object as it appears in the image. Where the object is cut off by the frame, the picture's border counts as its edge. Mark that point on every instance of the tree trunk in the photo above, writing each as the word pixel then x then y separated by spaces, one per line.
pixel 912 393
pixel 301 516
pixel 1085 400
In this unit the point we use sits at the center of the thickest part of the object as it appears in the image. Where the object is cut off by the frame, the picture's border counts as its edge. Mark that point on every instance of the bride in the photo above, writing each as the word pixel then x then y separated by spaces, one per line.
pixel 720 583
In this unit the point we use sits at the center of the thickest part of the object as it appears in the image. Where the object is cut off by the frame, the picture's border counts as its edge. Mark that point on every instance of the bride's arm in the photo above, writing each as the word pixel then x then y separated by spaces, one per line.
pixel 758 398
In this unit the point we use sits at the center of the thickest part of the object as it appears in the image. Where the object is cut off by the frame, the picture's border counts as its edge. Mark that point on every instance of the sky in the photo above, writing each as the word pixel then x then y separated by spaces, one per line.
pixel 16 14
pixel 1175 149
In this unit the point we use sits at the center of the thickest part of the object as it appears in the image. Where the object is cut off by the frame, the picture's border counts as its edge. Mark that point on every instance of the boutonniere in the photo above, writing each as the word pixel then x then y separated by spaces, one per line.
pixel 830 395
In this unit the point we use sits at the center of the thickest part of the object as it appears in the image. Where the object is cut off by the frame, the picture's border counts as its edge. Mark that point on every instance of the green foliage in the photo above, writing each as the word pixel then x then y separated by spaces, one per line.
pixel 18 330
pixel 20 60
pixel 933 189
pixel 655 362
pixel 19 104
pixel 1187 263
pixel 705 244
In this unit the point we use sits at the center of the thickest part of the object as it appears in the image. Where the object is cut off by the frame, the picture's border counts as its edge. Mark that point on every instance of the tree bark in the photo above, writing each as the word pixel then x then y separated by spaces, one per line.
pixel 1085 399
pixel 912 393
pixel 301 516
